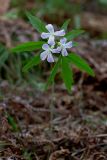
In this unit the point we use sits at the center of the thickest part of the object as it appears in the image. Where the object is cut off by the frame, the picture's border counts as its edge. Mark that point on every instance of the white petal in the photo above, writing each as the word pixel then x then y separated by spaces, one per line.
pixel 68 45
pixel 45 47
pixel 50 28
pixel 50 58
pixel 45 35
pixel 43 55
pixel 64 52
pixel 56 50
pixel 59 33
pixel 51 40
pixel 63 40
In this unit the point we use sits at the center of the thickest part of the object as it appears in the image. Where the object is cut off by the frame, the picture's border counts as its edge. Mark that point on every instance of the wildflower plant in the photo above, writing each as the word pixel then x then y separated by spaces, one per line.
pixel 55 47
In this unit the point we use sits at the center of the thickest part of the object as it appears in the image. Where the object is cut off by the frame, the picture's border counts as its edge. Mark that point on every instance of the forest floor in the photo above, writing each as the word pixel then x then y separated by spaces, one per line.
pixel 78 129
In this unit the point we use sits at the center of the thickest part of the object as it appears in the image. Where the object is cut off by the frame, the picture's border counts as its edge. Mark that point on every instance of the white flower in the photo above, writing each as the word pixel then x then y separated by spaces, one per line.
pixel 51 34
pixel 47 54
pixel 63 46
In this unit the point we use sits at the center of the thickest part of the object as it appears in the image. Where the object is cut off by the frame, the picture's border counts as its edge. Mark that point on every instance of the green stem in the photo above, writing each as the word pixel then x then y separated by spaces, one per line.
pixel 52 107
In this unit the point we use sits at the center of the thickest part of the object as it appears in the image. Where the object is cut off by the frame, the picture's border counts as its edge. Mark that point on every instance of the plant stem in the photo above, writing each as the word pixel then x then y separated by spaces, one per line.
pixel 52 107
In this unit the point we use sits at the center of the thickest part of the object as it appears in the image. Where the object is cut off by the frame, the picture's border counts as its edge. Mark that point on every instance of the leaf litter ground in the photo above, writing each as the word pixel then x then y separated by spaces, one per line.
pixel 79 124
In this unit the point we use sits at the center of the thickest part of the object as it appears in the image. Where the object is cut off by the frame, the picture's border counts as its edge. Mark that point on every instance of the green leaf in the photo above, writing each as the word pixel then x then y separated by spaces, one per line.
pixel 12 122
pixel 75 44
pixel 3 144
pixel 104 2
pixel 36 23
pixel 53 73
pixel 28 46
pixel 80 63
pixel 67 74
pixel 3 55
pixel 32 62
pixel 74 33
pixel 65 25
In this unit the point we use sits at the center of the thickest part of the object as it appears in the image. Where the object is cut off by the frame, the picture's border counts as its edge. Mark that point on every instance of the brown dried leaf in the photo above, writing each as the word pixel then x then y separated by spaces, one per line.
pixel 59 154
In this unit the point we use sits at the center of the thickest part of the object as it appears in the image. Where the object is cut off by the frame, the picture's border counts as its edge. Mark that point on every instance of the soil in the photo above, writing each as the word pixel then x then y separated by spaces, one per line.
pixel 77 127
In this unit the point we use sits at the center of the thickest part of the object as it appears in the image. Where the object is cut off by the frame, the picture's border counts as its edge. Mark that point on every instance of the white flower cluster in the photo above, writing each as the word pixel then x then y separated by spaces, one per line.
pixel 49 48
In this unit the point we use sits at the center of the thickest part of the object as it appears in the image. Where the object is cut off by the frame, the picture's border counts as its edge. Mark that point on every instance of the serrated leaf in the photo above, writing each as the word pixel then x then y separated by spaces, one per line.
pixel 32 62
pixel 36 23
pixel 65 25
pixel 53 73
pixel 28 46
pixel 74 33
pixel 80 63
pixel 67 74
